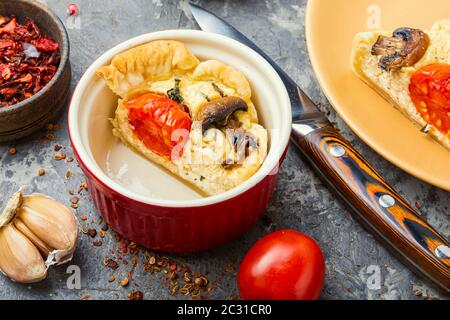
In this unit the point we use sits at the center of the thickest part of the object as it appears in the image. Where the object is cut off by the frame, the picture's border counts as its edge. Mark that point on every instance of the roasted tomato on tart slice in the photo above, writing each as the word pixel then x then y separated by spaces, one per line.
pixel 429 89
pixel 154 118
pixel 194 118
pixel 411 69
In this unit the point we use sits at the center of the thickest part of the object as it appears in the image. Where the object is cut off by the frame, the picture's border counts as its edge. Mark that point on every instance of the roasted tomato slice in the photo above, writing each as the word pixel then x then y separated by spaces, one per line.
pixel 429 89
pixel 154 119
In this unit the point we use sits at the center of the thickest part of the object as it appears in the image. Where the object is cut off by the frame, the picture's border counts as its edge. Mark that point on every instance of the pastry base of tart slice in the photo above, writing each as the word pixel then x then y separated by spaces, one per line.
pixel 207 176
pixel 393 85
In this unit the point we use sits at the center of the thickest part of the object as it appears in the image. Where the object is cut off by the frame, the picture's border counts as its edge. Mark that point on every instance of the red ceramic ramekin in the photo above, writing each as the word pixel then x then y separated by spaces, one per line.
pixel 175 225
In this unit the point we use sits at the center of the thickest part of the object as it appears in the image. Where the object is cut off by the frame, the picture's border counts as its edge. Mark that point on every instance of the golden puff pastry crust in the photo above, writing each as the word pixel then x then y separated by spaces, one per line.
pixel 148 62
pixel 206 154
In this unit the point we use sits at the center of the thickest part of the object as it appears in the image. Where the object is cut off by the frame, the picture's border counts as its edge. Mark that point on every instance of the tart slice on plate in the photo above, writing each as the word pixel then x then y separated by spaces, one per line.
pixel 411 69
pixel 194 118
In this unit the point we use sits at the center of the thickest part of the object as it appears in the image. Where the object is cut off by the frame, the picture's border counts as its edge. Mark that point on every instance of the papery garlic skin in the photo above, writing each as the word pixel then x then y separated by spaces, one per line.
pixel 35 233
pixel 20 260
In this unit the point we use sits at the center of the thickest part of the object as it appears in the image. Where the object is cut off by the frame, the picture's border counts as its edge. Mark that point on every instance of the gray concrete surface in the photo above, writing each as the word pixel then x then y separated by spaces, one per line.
pixel 358 267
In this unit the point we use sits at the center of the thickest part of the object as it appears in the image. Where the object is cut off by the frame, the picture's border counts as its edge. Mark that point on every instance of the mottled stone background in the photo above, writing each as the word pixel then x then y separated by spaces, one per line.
pixel 301 201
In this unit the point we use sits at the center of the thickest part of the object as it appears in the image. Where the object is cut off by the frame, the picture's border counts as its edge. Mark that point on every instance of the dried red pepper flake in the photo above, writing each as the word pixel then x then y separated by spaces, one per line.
pixel 8 25
pixel 28 60
pixel 45 44
pixel 6 44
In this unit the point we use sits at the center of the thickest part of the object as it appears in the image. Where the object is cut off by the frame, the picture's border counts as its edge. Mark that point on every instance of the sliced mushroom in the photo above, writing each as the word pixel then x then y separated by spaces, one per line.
pixel 403 49
pixel 217 112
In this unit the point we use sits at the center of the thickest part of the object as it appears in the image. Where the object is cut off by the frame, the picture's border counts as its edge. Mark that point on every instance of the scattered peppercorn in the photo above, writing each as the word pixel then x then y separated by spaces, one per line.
pixel 41 172
pixel 12 150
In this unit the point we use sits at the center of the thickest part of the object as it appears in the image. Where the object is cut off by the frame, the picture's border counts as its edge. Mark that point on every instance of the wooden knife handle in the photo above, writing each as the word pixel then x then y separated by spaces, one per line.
pixel 377 205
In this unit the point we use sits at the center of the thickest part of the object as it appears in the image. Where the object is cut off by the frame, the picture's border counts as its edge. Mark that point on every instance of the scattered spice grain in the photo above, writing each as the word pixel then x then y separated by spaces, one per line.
pixel 136 295
pixel 92 233
pixel 86 297
pixel 60 157
pixel 124 282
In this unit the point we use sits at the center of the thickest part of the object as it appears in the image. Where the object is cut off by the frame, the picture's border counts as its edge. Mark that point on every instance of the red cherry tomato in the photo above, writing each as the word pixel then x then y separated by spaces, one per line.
pixel 154 118
pixel 285 265
pixel 429 89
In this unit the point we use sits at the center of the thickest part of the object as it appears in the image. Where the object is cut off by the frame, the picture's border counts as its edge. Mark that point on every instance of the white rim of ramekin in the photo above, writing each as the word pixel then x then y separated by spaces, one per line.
pixel 271 162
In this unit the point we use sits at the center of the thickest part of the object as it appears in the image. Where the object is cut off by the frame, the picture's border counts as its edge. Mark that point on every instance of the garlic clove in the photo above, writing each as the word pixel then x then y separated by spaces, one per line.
pixel 53 223
pixel 19 258
pixel 43 248
pixel 33 228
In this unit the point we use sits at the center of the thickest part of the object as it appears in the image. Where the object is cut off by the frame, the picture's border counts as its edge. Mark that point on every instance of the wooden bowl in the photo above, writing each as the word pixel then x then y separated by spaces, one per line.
pixel 28 116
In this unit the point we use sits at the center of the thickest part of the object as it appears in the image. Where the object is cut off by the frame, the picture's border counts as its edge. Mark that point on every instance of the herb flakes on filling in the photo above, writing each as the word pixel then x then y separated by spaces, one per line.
pixel 175 93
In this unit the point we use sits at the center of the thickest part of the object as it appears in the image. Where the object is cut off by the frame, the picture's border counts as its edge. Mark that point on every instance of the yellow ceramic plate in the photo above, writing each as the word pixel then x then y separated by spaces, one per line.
pixel 330 28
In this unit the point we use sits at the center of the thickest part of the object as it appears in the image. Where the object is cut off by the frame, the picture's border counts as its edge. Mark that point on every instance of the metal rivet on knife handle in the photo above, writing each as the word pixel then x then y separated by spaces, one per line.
pixel 386 201
pixel 352 177
pixel 337 150
pixel 443 252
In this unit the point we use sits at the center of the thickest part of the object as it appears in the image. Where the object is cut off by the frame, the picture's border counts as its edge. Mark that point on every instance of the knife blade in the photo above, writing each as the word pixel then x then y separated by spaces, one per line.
pixel 302 106
pixel 369 197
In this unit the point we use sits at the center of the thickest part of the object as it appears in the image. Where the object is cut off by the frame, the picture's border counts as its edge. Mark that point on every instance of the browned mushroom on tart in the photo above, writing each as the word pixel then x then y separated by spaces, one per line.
pixel 218 111
pixel 403 49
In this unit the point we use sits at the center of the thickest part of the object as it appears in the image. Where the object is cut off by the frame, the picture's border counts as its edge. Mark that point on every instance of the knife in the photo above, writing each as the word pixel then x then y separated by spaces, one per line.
pixel 370 198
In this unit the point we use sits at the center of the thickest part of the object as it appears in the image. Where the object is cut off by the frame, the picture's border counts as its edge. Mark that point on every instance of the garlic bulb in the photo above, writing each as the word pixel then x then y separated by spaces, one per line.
pixel 36 232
